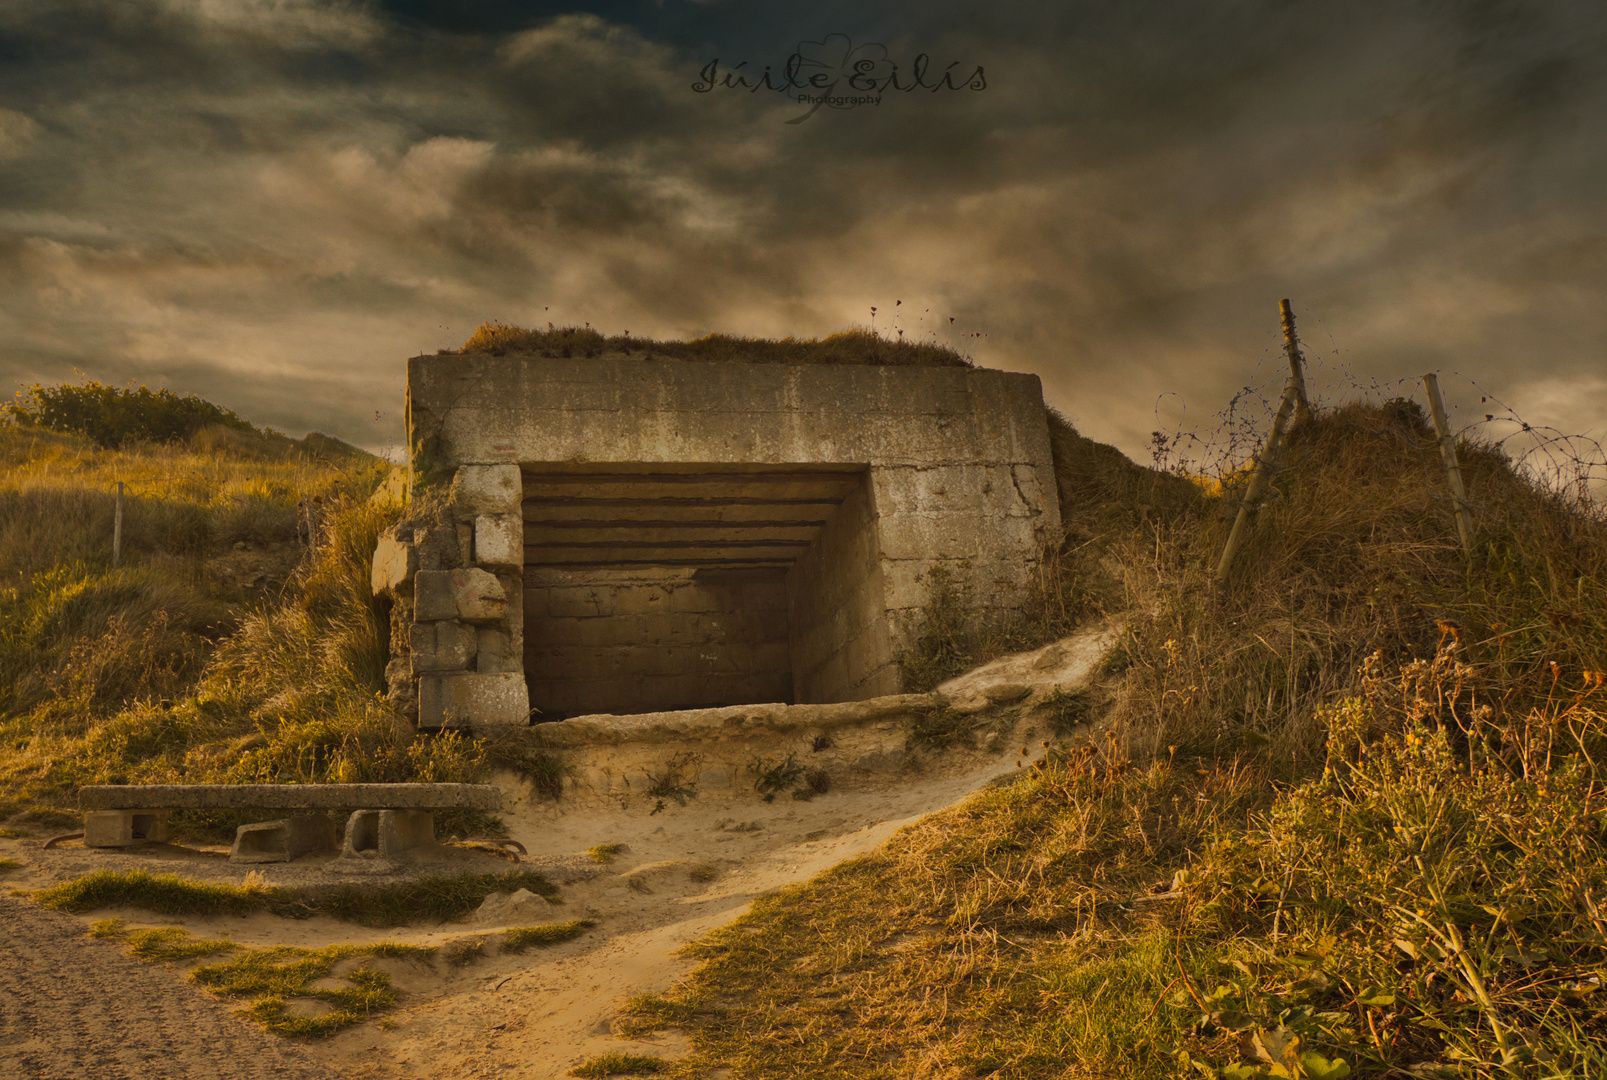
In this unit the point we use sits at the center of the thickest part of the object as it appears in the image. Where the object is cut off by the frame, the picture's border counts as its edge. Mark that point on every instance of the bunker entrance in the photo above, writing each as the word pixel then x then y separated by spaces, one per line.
pixel 651 588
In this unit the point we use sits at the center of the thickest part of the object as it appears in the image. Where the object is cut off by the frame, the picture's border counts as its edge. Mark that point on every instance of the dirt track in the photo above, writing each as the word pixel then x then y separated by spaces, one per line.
pixel 73 1007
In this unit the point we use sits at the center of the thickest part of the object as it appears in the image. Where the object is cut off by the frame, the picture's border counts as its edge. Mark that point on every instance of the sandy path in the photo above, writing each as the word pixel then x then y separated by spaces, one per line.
pixel 537 1015
pixel 532 1016
pixel 73 1007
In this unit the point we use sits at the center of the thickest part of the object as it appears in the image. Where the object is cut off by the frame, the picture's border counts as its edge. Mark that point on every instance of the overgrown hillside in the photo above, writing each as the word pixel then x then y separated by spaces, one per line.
pixel 234 639
pixel 1340 818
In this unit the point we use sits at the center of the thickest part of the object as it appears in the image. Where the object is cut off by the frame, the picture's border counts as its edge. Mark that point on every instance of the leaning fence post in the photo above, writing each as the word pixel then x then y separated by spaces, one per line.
pixel 117 526
pixel 1291 345
pixel 1453 471
pixel 1258 481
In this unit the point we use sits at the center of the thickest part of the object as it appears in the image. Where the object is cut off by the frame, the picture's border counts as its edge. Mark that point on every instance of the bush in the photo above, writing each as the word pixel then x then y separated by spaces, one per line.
pixel 114 417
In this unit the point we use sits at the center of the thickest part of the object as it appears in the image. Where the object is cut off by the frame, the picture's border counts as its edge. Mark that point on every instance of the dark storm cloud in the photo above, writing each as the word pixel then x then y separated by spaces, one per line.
pixel 301 194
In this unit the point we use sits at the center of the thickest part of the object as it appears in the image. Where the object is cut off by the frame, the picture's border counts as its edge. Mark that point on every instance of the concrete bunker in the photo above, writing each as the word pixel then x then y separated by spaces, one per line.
pixel 627 534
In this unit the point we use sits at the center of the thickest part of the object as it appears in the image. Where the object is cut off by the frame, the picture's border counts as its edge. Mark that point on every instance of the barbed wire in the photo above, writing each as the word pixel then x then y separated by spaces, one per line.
pixel 1574 466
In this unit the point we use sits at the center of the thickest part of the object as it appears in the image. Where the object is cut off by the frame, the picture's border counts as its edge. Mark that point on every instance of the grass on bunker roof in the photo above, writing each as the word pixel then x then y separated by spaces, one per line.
pixel 845 347
pixel 1341 819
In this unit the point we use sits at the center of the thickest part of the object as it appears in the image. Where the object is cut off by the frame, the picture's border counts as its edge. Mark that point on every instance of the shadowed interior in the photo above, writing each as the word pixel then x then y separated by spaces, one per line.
pixel 651 588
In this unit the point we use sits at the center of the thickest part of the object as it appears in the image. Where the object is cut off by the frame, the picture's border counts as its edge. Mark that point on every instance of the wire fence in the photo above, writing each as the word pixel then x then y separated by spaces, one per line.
pixel 1224 444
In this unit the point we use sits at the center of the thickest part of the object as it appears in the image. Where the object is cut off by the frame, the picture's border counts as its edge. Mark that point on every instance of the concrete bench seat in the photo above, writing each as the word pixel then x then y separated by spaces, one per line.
pixel 387 822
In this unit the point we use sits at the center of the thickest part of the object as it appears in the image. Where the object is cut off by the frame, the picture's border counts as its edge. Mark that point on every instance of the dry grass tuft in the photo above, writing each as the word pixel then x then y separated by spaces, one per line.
pixel 845 347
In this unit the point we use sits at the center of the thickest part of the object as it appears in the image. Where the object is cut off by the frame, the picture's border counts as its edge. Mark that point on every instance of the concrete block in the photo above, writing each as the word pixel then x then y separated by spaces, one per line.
pixel 475 700
pixel 442 646
pixel 388 835
pixel 455 644
pixel 472 595
pixel 438 548
pixel 499 540
pixel 121 828
pixel 495 652
pixel 395 563
pixel 487 489
pixel 283 840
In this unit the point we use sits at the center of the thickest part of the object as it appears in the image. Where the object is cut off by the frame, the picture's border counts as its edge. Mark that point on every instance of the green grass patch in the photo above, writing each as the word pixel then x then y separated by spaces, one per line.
pixel 280 979
pixel 160 944
pixel 171 943
pixel 604 853
pixel 15 834
pixel 518 939
pixel 432 899
pixel 166 894
pixel 9 864
pixel 620 1065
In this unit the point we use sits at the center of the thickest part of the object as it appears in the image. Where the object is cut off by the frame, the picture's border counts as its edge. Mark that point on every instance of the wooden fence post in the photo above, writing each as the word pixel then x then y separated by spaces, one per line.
pixel 1453 471
pixel 1291 345
pixel 1258 481
pixel 117 526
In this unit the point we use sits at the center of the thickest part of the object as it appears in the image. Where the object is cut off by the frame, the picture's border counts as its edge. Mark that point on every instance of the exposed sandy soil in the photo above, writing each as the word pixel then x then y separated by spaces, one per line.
pixel 72 1007
pixel 538 1014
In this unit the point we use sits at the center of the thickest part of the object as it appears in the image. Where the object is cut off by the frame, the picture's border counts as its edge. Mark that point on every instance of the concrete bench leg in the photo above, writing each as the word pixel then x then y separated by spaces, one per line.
pixel 121 828
pixel 388 835
pixel 283 840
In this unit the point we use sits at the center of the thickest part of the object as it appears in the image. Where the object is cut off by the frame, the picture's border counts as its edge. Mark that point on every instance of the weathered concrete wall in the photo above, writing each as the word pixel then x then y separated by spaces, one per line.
pixel 841 649
pixel 614 408
pixel 629 640
pixel 886 474
pixel 457 618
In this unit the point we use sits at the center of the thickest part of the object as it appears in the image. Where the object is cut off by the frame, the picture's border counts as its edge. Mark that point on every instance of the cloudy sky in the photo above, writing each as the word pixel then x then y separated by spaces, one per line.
pixel 273 203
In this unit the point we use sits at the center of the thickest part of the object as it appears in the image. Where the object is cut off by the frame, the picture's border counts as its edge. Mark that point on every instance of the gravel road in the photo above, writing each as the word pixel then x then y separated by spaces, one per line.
pixel 73 1007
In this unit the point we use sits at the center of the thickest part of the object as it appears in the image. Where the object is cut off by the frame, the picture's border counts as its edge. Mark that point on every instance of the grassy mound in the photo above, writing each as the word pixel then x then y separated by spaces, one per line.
pixel 1340 818
pixel 236 640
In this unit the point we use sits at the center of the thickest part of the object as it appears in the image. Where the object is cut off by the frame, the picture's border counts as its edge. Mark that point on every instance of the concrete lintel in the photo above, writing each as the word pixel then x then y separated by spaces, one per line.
pixel 144 797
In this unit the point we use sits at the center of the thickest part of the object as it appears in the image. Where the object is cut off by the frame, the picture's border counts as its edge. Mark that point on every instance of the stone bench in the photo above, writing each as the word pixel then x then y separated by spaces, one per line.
pixel 386 823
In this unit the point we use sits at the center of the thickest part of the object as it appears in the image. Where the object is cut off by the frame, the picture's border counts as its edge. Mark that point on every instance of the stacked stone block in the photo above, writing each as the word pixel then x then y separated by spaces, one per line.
pixel 457 624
